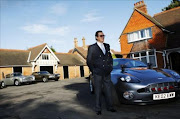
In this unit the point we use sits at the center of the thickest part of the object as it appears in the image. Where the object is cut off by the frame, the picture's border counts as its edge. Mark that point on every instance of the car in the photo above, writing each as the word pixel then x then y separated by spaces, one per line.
pixel 2 84
pixel 135 82
pixel 45 76
pixel 17 79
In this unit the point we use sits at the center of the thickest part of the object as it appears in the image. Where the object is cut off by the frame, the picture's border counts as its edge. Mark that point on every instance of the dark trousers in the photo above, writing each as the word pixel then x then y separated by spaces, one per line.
pixel 103 82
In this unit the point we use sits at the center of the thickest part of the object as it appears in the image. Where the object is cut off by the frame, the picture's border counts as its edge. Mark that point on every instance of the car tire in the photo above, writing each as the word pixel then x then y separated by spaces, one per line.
pixel 44 79
pixel 56 79
pixel 17 83
pixel 2 84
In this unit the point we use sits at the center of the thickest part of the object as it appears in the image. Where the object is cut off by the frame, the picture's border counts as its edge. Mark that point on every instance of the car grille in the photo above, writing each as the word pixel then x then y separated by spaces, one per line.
pixel 159 87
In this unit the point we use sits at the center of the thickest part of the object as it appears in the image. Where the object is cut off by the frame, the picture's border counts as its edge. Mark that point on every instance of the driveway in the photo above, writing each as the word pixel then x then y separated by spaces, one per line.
pixel 70 99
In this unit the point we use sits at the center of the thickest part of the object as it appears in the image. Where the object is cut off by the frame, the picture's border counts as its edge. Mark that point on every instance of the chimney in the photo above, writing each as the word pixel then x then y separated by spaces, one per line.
pixel 75 42
pixel 84 43
pixel 141 6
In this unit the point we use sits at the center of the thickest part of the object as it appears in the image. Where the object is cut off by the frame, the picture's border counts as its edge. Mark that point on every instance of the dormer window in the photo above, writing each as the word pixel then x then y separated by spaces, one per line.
pixel 140 35
pixel 45 57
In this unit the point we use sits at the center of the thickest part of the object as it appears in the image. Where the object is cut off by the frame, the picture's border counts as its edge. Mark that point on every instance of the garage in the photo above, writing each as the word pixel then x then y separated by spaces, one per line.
pixel 47 68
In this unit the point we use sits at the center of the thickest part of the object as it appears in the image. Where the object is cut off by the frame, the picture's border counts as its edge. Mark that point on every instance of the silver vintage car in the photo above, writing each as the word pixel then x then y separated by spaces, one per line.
pixel 17 79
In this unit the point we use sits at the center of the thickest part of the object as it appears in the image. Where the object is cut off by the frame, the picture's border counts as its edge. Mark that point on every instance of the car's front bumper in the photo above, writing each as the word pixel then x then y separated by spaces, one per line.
pixel 141 97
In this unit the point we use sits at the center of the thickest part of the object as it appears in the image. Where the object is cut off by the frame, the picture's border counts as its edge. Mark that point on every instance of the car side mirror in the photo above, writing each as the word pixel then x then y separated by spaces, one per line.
pixel 123 68
pixel 149 65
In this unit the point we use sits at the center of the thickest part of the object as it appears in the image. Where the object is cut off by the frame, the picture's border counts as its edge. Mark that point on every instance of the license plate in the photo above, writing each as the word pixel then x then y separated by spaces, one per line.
pixel 163 96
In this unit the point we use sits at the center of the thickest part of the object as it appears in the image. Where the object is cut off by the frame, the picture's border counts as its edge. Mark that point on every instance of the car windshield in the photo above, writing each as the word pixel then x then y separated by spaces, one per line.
pixel 44 72
pixel 17 74
pixel 129 63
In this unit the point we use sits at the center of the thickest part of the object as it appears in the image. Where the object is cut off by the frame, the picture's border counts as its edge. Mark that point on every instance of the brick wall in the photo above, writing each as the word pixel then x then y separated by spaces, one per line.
pixel 86 71
pixel 60 71
pixel 74 71
pixel 27 70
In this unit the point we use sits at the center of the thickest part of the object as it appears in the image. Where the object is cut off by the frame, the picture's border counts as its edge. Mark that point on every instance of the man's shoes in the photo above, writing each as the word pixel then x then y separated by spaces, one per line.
pixel 98 112
pixel 112 110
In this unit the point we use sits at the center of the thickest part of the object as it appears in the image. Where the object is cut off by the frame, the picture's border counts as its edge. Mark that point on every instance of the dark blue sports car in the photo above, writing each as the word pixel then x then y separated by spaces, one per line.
pixel 135 82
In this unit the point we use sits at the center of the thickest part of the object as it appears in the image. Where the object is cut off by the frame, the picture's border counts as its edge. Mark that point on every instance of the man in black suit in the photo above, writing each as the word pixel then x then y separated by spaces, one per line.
pixel 100 63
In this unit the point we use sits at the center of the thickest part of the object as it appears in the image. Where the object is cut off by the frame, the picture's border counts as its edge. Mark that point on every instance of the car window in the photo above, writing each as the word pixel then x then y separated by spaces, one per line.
pixel 135 63
pixel 17 74
pixel 44 72
pixel 8 75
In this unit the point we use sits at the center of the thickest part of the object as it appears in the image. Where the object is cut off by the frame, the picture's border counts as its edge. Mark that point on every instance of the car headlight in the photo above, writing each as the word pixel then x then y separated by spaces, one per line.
pixel 129 79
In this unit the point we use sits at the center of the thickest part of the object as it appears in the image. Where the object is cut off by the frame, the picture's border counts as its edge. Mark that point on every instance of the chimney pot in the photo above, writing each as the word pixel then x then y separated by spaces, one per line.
pixel 75 42
pixel 141 6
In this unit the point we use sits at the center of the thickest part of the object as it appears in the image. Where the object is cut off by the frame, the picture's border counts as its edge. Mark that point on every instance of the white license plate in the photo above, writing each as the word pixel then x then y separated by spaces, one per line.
pixel 163 96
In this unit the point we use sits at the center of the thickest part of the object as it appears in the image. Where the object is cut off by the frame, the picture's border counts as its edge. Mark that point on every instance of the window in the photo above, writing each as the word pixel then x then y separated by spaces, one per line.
pixel 45 56
pixel 145 57
pixel 140 35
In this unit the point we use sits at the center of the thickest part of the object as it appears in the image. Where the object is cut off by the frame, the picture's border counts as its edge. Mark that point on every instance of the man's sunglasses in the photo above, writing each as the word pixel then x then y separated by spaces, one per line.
pixel 101 35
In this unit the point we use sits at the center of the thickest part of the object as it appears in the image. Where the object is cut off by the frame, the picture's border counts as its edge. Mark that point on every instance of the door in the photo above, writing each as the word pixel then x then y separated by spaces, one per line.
pixel 82 71
pixel 47 68
pixel 175 61
pixel 17 69
pixel 66 72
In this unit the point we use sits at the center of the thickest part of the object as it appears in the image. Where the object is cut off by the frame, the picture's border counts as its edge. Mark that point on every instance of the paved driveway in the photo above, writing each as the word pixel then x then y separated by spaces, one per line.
pixel 70 99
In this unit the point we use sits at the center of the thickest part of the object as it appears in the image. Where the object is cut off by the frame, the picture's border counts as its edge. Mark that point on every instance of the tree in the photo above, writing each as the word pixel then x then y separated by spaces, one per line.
pixel 53 49
pixel 173 4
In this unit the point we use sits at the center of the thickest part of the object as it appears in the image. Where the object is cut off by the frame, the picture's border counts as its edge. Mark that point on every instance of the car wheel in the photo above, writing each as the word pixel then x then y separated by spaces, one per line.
pixel 45 79
pixel 2 84
pixel 56 79
pixel 91 87
pixel 17 83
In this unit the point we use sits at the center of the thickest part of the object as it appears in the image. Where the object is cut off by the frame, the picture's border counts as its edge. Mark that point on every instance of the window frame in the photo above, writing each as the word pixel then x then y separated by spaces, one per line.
pixel 131 35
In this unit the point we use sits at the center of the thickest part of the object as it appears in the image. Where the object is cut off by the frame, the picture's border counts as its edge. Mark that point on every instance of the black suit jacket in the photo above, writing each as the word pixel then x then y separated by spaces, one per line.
pixel 98 62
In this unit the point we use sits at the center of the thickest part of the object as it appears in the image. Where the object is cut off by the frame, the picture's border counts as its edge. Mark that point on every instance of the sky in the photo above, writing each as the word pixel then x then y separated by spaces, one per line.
pixel 28 23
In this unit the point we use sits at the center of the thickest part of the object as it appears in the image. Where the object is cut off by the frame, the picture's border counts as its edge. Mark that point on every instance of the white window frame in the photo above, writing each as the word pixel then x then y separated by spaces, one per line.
pixel 147 56
pixel 48 57
pixel 132 34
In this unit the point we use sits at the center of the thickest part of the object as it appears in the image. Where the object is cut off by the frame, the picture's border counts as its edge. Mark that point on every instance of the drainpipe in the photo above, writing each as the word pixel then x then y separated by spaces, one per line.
pixel 164 58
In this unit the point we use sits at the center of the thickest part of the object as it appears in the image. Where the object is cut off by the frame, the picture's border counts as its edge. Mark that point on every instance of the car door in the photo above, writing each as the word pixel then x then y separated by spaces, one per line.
pixel 8 79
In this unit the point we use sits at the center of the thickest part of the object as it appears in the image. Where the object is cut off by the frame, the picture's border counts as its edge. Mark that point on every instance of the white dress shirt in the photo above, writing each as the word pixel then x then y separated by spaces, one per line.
pixel 101 45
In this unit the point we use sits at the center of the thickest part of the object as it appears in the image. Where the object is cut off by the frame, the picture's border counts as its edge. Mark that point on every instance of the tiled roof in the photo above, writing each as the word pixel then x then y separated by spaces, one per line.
pixel 69 59
pixel 36 50
pixel 170 19
pixel 150 18
pixel 10 57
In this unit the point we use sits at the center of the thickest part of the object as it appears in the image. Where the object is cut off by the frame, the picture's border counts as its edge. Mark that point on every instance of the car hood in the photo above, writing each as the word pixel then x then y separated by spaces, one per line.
pixel 147 76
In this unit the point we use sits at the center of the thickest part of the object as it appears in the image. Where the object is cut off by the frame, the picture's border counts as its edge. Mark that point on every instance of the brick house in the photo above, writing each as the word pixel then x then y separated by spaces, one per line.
pixel 146 38
pixel 41 58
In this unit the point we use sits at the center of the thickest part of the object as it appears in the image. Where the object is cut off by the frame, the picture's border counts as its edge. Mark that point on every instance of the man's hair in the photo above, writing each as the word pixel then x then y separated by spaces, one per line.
pixel 96 34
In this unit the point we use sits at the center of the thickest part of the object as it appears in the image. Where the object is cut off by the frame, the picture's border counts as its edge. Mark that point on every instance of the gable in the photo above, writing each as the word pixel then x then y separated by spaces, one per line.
pixel 137 22
pixel 37 51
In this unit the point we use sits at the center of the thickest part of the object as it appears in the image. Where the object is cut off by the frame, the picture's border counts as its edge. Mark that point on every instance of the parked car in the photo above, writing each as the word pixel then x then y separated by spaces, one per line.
pixel 2 84
pixel 17 79
pixel 135 82
pixel 45 76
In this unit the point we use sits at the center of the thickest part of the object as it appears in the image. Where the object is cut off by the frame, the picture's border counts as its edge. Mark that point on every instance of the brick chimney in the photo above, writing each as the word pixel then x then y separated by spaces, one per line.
pixel 141 6
pixel 84 43
pixel 75 42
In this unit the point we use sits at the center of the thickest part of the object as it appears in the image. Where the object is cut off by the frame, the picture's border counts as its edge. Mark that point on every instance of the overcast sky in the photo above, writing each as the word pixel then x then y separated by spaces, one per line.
pixel 28 23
